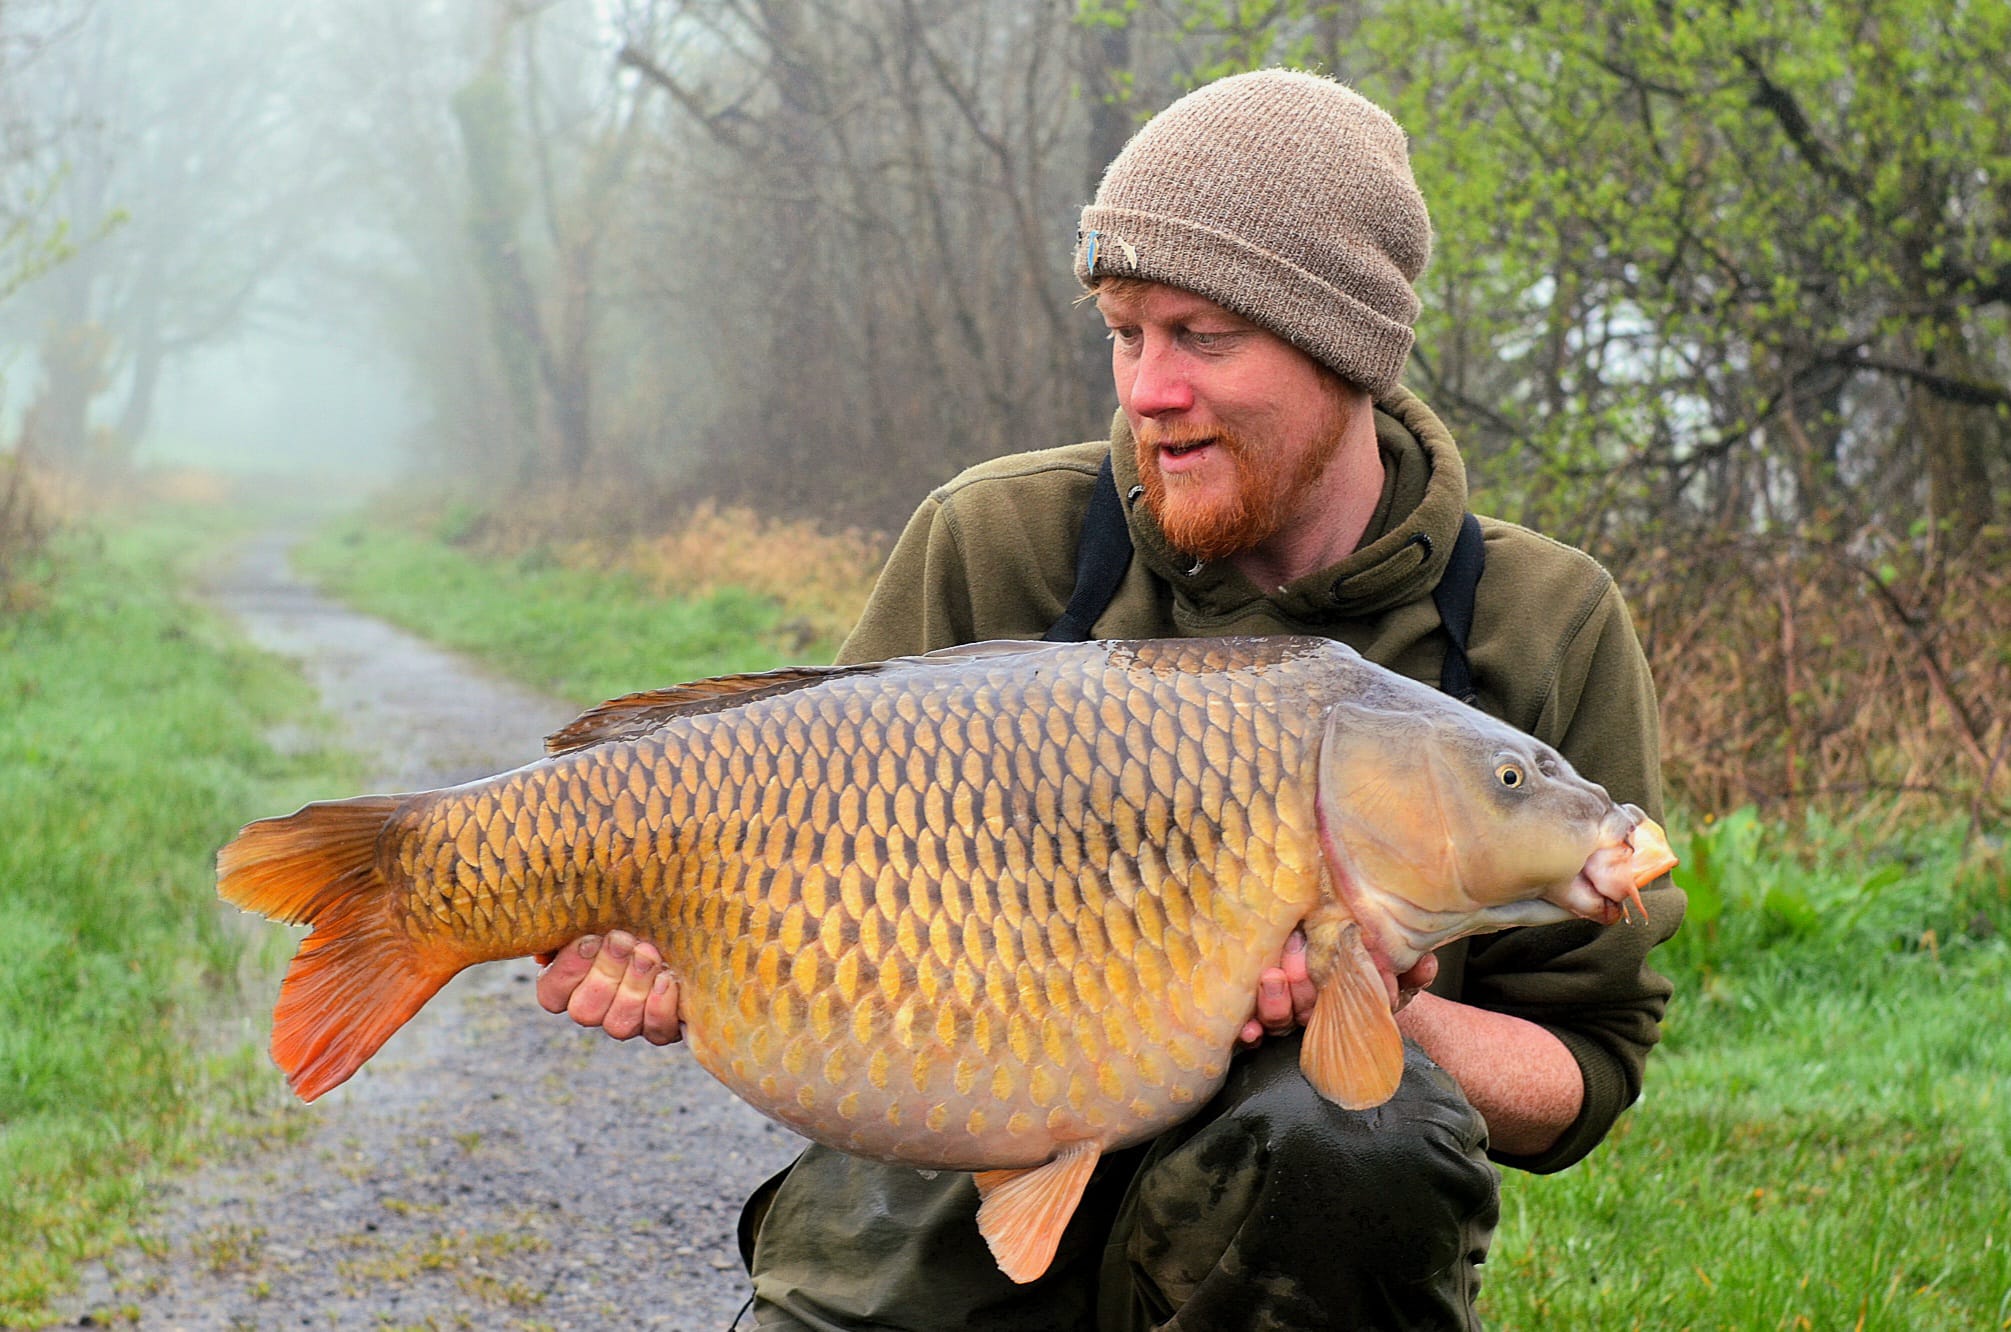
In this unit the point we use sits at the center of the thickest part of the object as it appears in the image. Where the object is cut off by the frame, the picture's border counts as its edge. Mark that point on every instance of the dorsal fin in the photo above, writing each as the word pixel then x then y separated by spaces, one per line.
pixel 990 647
pixel 634 715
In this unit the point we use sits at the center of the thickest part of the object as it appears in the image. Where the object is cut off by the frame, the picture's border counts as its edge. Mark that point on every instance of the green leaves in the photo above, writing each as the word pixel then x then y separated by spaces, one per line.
pixel 1659 226
pixel 1820 894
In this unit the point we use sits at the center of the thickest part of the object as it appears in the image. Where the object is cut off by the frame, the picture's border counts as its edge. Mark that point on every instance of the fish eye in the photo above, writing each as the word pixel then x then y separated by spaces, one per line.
pixel 1510 775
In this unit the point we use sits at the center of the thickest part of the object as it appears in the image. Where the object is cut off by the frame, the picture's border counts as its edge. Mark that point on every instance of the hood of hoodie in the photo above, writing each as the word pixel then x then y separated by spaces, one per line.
pixel 1403 552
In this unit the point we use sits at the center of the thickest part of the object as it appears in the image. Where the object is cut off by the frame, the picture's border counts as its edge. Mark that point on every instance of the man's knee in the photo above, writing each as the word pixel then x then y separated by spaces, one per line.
pixel 1408 1181
pixel 1279 1195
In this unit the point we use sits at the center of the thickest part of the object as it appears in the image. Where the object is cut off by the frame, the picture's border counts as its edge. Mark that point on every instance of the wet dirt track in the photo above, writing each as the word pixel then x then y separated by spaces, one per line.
pixel 492 1167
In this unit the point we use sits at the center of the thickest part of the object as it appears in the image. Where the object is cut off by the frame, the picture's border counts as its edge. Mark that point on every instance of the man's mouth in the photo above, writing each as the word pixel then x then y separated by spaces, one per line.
pixel 1175 450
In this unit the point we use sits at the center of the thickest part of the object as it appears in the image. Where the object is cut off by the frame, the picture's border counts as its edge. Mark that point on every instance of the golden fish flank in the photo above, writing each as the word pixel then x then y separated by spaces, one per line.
pixel 969 935
pixel 997 909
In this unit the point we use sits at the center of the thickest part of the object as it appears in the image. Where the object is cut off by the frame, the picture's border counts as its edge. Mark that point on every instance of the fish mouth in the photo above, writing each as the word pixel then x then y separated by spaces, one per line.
pixel 1633 852
pixel 1653 857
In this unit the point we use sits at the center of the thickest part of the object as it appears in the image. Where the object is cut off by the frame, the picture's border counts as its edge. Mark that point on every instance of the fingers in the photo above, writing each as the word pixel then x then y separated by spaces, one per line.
pixel 613 994
pixel 1274 1009
pixel 1285 995
pixel 1298 981
pixel 564 970
pixel 1422 973
pixel 661 1022
pixel 617 984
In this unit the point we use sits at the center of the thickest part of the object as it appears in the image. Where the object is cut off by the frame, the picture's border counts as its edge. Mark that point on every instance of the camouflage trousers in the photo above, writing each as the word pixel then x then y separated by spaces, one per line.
pixel 1272 1209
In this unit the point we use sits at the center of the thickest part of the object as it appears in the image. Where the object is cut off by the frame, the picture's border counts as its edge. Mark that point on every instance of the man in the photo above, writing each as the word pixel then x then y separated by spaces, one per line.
pixel 1252 252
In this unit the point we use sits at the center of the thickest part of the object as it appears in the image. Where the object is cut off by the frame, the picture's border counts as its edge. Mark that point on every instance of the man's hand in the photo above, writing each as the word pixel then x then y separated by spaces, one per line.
pixel 617 984
pixel 1285 992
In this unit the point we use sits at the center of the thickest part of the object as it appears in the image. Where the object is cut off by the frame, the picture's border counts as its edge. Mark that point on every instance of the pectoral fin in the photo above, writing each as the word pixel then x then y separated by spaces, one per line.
pixel 1025 1211
pixel 1352 1052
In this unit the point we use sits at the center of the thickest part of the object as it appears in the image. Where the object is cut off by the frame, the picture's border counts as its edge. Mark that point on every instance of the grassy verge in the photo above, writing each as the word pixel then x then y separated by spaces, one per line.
pixel 584 635
pixel 129 749
pixel 1827 1129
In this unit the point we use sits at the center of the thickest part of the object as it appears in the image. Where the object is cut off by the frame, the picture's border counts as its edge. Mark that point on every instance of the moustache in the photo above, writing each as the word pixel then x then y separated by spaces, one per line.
pixel 1151 435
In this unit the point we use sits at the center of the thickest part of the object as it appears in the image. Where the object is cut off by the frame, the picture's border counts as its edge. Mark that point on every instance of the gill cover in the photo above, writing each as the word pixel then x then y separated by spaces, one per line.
pixel 1441 821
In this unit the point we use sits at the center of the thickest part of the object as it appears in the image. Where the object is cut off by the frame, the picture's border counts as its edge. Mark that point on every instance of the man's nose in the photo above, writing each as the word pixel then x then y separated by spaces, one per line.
pixel 1159 383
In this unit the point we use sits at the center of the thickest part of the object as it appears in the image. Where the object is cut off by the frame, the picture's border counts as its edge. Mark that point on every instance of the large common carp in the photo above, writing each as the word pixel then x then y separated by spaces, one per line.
pixel 1001 908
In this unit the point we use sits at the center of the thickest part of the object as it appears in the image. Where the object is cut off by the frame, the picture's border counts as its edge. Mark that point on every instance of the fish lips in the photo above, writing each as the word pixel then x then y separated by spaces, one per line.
pixel 1633 852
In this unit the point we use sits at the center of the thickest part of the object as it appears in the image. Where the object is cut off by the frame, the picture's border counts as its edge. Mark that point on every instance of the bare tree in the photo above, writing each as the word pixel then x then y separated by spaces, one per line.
pixel 180 194
pixel 889 193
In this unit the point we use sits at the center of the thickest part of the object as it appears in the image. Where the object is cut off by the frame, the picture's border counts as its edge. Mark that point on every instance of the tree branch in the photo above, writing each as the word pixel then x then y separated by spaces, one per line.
pixel 723 125
pixel 1946 387
pixel 1794 122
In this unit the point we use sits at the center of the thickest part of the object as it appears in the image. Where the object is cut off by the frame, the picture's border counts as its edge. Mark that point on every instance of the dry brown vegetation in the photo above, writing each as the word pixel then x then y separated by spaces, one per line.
pixel 26 524
pixel 818 573
pixel 1800 675
pixel 819 577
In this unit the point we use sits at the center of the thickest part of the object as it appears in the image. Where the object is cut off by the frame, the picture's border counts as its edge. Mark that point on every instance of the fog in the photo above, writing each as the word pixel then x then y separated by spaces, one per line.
pixel 643 250
pixel 276 405
pixel 610 256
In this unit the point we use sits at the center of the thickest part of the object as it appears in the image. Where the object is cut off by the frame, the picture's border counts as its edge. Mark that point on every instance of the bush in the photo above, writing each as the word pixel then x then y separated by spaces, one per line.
pixel 1845 678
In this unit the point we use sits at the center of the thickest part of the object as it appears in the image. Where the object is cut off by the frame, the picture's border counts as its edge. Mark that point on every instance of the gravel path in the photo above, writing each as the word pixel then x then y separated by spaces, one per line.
pixel 492 1167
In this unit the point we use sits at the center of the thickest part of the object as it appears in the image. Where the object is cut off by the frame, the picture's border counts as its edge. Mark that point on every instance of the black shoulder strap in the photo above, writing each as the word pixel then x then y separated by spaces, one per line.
pixel 1103 553
pixel 1454 597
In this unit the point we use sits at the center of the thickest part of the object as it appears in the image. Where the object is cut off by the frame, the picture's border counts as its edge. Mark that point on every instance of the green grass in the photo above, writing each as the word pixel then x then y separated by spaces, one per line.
pixel 583 635
pixel 129 750
pixel 1825 1141
pixel 1826 1135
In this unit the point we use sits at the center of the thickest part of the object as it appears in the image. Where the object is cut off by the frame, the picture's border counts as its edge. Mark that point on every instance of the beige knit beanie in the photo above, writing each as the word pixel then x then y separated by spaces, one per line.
pixel 1283 196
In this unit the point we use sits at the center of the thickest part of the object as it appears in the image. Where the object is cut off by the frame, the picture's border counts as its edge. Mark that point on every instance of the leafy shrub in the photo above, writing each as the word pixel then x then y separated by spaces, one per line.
pixel 1830 893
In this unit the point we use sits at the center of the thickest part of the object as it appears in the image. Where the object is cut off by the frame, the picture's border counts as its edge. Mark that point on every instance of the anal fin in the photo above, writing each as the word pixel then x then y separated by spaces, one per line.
pixel 1352 1052
pixel 1024 1212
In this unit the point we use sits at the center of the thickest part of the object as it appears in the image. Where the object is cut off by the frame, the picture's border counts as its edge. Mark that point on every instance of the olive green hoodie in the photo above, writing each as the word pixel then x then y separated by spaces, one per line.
pixel 992 555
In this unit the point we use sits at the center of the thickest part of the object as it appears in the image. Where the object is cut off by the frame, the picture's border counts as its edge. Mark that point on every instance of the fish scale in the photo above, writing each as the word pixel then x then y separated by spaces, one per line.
pixel 999 909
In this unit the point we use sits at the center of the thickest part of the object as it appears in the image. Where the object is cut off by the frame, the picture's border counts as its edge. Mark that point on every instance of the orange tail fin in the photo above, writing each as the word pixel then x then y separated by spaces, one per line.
pixel 358 976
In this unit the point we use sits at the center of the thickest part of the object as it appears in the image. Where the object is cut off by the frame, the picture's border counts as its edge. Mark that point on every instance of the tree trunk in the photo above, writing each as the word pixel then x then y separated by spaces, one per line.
pixel 1956 440
pixel 1113 116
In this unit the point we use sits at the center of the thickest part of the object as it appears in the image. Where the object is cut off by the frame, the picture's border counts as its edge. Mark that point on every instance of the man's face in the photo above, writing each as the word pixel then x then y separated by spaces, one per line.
pixel 1234 425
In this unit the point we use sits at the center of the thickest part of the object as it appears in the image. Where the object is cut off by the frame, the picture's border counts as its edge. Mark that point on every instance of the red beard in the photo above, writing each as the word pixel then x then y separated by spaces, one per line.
pixel 1214 526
